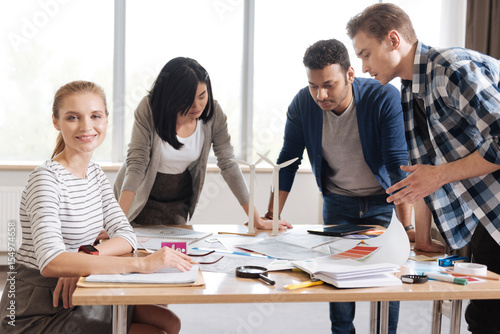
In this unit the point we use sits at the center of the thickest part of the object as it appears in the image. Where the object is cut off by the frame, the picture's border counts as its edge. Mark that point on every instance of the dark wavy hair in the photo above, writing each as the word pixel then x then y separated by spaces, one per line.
pixel 173 92
pixel 326 52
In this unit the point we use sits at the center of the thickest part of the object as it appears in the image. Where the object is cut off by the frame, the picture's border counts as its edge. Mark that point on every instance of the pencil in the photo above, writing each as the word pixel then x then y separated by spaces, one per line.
pixel 300 285
pixel 465 275
pixel 236 233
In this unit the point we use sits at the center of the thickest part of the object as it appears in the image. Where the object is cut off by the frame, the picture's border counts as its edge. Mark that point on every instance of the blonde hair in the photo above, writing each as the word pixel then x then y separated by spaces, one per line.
pixel 378 19
pixel 74 87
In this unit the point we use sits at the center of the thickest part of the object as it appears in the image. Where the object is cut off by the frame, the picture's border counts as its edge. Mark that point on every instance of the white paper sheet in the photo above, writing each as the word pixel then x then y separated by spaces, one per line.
pixel 282 250
pixel 394 244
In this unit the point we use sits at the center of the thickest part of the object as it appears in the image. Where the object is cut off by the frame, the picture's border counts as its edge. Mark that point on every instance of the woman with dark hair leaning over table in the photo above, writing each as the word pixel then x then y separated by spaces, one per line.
pixel 175 126
pixel 65 204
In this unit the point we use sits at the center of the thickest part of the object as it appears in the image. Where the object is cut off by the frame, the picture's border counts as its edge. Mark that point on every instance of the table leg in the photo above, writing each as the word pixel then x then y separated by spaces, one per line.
pixel 384 317
pixel 119 319
pixel 373 317
pixel 436 316
pixel 456 315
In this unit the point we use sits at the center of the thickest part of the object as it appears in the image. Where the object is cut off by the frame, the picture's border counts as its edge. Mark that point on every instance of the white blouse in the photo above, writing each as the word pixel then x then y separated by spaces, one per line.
pixel 177 161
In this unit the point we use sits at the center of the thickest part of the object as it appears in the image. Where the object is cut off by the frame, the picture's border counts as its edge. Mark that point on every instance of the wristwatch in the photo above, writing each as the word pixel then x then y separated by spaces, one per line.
pixel 89 249
pixel 409 227
pixel 414 279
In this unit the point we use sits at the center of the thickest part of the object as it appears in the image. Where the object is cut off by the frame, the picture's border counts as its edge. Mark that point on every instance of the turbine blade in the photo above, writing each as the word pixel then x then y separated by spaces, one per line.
pixel 287 163
pixel 267 159
pixel 259 161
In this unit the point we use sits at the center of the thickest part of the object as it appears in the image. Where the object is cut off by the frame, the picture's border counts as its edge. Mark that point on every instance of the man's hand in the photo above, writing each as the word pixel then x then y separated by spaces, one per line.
pixel 411 235
pixel 423 180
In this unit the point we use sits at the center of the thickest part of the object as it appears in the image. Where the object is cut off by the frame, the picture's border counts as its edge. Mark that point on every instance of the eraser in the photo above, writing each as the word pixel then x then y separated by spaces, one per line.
pixel 180 246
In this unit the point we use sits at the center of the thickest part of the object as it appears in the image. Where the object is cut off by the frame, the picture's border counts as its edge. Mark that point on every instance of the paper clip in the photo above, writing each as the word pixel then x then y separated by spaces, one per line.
pixel 451 260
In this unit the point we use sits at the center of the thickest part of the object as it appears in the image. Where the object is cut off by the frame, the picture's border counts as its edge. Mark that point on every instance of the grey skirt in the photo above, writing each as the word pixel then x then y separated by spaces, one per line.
pixel 169 200
pixel 27 304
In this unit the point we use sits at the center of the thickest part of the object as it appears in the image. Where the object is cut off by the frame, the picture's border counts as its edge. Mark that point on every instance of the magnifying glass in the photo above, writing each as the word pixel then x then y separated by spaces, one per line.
pixel 254 272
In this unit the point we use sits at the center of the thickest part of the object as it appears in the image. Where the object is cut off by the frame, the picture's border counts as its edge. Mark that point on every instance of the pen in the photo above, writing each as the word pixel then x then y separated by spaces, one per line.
pixel 225 251
pixel 300 285
pixel 444 278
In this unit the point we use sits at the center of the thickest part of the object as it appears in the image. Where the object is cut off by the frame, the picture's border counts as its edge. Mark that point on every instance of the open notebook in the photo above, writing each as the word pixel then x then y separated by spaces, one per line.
pixel 368 264
pixel 349 273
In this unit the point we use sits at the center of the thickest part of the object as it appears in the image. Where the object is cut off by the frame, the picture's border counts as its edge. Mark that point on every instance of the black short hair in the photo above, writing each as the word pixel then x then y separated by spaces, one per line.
pixel 173 92
pixel 326 52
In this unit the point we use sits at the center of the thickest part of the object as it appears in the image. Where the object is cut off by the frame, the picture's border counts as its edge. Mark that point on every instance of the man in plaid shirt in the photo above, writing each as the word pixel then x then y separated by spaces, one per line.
pixel 451 106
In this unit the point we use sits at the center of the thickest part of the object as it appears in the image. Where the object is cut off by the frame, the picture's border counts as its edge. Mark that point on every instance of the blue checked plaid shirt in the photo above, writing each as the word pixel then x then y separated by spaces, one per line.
pixel 461 95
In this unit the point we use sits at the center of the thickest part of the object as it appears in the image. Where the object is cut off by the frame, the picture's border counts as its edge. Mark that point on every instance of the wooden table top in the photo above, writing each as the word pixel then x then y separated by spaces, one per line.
pixel 227 288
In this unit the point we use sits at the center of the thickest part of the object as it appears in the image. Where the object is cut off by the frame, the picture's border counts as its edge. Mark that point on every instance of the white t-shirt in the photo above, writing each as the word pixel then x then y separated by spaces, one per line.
pixel 346 172
pixel 177 161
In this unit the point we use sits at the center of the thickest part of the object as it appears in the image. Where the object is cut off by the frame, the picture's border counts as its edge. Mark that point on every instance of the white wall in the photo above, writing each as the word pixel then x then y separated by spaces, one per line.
pixel 217 204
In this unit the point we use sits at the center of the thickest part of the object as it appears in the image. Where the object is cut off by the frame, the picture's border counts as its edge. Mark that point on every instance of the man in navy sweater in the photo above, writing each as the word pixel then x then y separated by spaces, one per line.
pixel 353 131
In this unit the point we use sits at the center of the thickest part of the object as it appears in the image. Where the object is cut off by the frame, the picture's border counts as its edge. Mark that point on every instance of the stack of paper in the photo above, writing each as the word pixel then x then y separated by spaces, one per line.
pixel 350 273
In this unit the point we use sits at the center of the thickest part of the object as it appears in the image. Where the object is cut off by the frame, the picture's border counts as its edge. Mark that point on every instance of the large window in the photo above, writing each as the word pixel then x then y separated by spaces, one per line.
pixel 283 31
pixel 45 44
pixel 212 33
pixel 251 49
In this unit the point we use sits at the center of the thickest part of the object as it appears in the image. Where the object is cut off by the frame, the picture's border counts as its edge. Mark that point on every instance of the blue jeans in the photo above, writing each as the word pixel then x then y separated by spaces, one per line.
pixel 371 210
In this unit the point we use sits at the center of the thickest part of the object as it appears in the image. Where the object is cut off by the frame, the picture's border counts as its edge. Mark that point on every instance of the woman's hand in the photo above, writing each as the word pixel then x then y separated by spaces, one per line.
pixel 65 288
pixel 267 224
pixel 166 257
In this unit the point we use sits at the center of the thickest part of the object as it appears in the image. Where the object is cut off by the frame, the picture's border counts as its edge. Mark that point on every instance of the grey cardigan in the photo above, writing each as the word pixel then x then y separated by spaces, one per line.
pixel 139 171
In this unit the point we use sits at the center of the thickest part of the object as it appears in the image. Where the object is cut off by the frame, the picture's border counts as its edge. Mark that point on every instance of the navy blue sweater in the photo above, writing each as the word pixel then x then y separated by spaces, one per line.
pixel 380 125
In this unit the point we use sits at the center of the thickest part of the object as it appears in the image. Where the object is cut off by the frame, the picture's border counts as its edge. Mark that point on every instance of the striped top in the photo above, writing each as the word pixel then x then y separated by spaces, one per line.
pixel 59 212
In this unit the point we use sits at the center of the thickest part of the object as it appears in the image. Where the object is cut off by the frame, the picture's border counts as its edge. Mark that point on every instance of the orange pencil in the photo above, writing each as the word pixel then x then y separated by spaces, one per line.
pixel 465 275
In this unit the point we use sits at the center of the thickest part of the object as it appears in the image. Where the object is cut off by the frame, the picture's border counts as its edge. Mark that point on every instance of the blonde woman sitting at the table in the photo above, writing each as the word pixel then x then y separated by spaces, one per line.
pixel 66 203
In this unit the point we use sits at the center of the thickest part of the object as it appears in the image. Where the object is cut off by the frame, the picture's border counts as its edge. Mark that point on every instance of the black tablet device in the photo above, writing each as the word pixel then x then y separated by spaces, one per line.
pixel 340 230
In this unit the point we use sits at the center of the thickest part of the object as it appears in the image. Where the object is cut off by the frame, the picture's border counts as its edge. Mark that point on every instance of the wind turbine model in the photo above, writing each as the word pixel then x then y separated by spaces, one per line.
pixel 275 189
pixel 251 211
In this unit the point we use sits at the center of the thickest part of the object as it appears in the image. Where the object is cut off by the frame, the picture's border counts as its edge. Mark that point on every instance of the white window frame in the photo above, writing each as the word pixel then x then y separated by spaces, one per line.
pixel 455 8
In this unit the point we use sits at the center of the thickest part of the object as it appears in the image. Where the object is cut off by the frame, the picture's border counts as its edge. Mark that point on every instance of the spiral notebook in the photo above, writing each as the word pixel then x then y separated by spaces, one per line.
pixel 151 237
